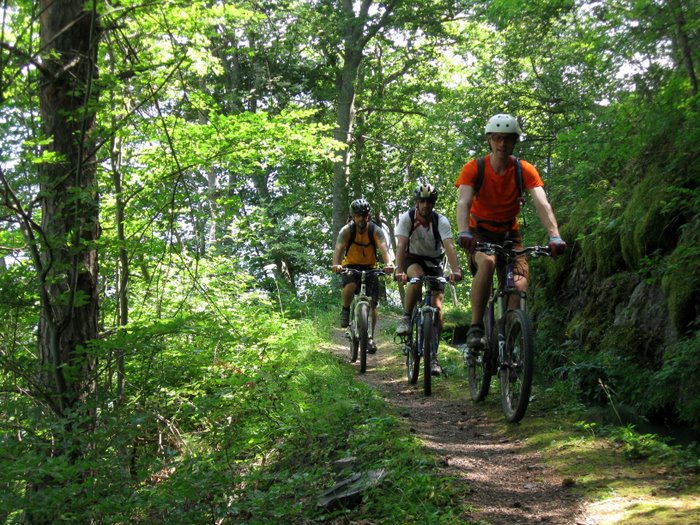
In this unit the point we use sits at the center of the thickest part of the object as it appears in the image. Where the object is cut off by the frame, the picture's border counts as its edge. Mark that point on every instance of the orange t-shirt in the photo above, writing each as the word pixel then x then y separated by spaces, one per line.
pixel 497 201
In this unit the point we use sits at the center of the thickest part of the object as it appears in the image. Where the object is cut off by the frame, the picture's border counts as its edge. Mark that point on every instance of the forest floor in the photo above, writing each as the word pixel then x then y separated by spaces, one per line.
pixel 510 481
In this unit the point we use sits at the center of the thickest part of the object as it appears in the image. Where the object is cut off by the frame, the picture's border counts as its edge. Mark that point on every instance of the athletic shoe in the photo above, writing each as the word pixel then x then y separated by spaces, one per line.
pixel 404 327
pixel 371 347
pixel 475 336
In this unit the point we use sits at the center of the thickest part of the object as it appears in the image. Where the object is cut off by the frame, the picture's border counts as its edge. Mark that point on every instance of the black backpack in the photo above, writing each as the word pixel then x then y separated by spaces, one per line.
pixel 436 230
pixel 480 167
pixel 370 232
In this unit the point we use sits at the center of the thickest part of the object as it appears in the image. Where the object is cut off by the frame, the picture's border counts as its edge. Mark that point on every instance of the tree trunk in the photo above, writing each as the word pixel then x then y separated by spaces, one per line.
pixel 122 264
pixel 357 32
pixel 69 225
pixel 683 43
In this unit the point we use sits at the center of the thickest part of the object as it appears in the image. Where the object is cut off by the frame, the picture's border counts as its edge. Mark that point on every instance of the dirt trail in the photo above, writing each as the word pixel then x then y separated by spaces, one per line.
pixel 508 484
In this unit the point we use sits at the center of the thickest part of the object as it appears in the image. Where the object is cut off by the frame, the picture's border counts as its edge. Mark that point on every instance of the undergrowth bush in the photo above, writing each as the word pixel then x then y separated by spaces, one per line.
pixel 232 412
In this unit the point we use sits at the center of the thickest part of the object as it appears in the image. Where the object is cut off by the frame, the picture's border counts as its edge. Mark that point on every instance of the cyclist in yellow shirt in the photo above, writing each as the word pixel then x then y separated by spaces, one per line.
pixel 356 247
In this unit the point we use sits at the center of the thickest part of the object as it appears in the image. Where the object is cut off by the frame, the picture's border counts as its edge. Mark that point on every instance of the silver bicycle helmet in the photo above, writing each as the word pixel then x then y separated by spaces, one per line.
pixel 426 191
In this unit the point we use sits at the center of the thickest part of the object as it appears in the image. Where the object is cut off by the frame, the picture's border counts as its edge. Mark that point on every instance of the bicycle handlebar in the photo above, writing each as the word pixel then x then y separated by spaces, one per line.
pixel 496 249
pixel 373 271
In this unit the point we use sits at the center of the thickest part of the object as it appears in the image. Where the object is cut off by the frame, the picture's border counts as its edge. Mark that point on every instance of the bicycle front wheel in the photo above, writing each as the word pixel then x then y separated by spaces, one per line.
pixel 427 345
pixel 516 370
pixel 354 340
pixel 413 355
pixel 363 336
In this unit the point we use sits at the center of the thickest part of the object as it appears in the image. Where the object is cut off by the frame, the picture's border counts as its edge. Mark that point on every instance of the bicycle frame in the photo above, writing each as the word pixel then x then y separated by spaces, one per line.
pixel 497 306
pixel 508 336
pixel 360 326
pixel 425 308
pixel 424 319
pixel 361 298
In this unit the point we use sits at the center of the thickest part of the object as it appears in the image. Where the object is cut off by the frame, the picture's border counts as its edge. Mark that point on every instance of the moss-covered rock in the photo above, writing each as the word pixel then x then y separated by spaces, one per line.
pixel 648 222
pixel 681 283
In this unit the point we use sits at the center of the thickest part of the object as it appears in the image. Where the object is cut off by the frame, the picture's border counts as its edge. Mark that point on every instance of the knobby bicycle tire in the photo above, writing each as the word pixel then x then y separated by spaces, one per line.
pixel 480 367
pixel 516 371
pixel 354 340
pixel 427 344
pixel 413 357
pixel 362 334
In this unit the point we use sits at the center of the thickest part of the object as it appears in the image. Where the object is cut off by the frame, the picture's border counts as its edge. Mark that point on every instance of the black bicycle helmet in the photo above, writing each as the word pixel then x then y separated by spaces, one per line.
pixel 359 207
pixel 426 191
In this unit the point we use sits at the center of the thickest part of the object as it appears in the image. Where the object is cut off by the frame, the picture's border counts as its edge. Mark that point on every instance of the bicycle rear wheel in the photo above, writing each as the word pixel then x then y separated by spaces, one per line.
pixel 516 370
pixel 427 345
pixel 413 355
pixel 480 363
pixel 362 325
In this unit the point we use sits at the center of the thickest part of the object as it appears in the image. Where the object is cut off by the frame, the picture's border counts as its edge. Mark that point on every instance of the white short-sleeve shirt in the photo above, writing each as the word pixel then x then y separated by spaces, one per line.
pixel 421 241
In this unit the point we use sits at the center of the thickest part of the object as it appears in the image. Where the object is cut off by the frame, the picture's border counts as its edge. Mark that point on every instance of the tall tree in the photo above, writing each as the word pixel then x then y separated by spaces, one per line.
pixel 64 251
pixel 358 28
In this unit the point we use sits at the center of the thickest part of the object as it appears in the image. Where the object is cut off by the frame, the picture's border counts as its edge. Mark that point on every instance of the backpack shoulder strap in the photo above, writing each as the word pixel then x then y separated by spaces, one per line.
pixel 351 239
pixel 480 168
pixel 436 229
pixel 518 175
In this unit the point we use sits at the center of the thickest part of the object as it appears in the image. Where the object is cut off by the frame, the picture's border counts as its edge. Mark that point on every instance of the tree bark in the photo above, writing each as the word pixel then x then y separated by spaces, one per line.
pixel 69 225
pixel 683 43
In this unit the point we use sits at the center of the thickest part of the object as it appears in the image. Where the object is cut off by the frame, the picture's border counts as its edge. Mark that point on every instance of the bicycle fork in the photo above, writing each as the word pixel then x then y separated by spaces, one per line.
pixel 502 304
pixel 431 311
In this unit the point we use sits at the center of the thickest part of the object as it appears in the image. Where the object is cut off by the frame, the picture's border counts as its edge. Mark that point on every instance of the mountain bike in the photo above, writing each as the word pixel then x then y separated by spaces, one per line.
pixel 508 347
pixel 360 325
pixel 423 341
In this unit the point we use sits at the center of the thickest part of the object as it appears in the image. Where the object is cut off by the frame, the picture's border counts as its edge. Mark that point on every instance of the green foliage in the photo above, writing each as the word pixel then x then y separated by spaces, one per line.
pixel 231 412
pixel 214 156
pixel 675 383
pixel 681 281
pixel 644 226
pixel 638 446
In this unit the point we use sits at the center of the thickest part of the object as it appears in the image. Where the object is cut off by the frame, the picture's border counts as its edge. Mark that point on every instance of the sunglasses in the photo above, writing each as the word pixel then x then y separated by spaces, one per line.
pixel 508 139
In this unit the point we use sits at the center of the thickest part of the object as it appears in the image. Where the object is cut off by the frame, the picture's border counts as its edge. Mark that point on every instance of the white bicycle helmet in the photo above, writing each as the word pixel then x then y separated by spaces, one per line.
pixel 426 191
pixel 503 123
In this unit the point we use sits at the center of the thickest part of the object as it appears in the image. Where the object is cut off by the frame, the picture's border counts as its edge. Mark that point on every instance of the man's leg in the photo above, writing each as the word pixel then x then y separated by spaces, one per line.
pixel 410 298
pixel 481 285
pixel 520 279
pixel 346 296
pixel 481 288
pixel 372 346
pixel 437 299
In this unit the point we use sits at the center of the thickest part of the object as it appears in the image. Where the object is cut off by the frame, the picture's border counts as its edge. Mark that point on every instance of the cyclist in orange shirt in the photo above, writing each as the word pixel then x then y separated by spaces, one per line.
pixel 491 214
